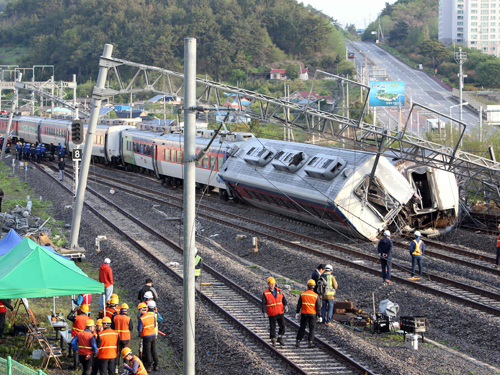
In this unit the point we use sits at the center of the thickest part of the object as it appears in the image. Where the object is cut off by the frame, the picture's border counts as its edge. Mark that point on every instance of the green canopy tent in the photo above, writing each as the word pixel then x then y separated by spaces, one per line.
pixel 30 271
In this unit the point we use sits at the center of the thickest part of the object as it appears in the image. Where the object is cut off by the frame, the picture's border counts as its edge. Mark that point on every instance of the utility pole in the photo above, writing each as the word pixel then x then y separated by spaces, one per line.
pixel 11 114
pixel 189 203
pixel 347 82
pixel 460 59
pixel 480 123
pixel 87 152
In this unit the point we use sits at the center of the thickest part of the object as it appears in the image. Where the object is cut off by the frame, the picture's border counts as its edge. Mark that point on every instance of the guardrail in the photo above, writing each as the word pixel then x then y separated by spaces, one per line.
pixel 467 97
pixel 10 367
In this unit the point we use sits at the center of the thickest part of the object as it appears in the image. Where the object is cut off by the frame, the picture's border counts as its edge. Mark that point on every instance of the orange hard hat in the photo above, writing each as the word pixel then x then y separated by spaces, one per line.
pixel 124 306
pixel 126 352
pixel 106 320
pixel 311 282
pixel 141 305
pixel 271 280
pixel 98 322
pixel 85 308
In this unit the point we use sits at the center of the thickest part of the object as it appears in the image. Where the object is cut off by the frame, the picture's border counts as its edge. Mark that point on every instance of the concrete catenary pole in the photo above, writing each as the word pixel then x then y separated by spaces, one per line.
pixel 9 124
pixel 189 203
pixel 87 152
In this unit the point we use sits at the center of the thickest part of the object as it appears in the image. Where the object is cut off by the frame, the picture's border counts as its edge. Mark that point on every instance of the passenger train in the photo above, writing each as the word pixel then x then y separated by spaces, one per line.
pixel 327 186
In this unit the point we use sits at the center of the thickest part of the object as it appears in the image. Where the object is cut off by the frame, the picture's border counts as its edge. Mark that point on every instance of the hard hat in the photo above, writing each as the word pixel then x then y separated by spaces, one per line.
pixel 114 296
pixel 195 251
pixel 271 280
pixel 148 295
pixel 417 233
pixel 114 301
pixel 126 352
pixel 311 282
pixel 387 233
pixel 141 305
pixel 106 320
pixel 89 323
pixel 107 260
pixel 124 306
pixel 85 308
pixel 98 322
pixel 328 267
pixel 151 304
pixel 109 302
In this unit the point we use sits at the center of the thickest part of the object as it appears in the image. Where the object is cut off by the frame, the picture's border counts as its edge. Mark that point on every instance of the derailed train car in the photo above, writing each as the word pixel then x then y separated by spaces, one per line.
pixel 328 186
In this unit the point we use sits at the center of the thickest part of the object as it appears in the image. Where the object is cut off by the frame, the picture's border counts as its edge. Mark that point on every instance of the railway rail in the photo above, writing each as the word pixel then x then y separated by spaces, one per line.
pixel 478 298
pixel 242 309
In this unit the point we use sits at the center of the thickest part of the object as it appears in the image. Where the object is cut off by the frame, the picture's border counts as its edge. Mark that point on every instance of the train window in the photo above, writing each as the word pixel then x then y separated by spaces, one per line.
pixel 220 161
pixel 289 204
pixel 331 216
pixel 272 200
pixel 260 197
pixel 213 163
pixel 205 162
pixel 179 157
pixel 250 151
pixel 149 150
pixel 167 154
pixel 172 156
pixel 313 160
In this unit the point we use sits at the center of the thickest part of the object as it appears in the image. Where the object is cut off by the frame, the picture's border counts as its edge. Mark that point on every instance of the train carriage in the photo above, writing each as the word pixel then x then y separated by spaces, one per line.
pixel 4 120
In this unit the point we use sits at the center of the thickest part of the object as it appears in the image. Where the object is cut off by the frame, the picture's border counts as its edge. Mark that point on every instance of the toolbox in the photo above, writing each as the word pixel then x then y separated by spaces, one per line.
pixel 413 324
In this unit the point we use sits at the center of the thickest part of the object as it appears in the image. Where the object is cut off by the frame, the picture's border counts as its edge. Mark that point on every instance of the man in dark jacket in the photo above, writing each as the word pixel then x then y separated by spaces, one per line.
pixel 385 250
pixel 417 250
pixel 4 305
pixel 62 165
pixel 148 287
pixel 317 274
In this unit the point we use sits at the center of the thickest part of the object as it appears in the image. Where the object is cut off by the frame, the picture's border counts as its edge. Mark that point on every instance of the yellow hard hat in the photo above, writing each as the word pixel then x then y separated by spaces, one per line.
pixel 84 307
pixel 126 352
pixel 141 305
pixel 89 323
pixel 98 322
pixel 115 296
pixel 311 282
pixel 124 306
pixel 106 319
pixel 113 301
pixel 271 280
pixel 109 302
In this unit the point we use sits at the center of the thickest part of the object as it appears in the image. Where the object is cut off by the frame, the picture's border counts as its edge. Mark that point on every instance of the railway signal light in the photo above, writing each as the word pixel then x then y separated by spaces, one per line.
pixel 77 132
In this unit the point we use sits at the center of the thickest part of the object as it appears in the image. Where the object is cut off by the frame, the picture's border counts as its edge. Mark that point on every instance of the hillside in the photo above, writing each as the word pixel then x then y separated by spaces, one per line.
pixel 232 34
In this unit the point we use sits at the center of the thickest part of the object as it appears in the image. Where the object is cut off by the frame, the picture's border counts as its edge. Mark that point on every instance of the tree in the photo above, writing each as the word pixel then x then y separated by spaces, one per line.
pixel 237 75
pixel 488 73
pixel 399 33
pixel 292 71
pixel 434 50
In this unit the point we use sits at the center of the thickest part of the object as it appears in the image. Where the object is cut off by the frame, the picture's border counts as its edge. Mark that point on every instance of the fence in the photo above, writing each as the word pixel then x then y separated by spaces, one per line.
pixel 10 367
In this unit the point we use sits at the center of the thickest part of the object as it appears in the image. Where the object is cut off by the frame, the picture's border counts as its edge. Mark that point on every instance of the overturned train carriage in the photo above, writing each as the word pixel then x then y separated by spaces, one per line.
pixel 328 186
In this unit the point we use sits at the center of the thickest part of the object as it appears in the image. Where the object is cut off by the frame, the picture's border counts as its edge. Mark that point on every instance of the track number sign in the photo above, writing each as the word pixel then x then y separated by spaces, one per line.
pixel 77 154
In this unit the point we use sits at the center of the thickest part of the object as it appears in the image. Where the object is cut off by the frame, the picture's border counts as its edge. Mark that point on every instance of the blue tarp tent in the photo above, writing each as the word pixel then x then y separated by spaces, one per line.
pixel 12 239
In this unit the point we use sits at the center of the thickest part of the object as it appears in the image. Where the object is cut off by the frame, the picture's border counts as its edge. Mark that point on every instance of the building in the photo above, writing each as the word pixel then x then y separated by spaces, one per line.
pixel 279 74
pixel 472 23
pixel 304 74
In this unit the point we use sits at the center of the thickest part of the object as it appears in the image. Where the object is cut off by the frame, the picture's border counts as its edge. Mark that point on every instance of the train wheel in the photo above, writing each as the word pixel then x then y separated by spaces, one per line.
pixel 224 195
pixel 178 183
pixel 236 199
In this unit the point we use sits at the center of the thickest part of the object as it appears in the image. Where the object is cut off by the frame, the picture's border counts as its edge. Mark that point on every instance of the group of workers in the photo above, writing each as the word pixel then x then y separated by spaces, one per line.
pixel 98 345
pixel 38 153
pixel 315 305
pixel 417 250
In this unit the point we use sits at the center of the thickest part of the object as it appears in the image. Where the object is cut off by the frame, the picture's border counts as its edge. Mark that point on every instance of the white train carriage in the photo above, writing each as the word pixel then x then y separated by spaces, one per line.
pixel 53 131
pixel 321 185
pixel 163 154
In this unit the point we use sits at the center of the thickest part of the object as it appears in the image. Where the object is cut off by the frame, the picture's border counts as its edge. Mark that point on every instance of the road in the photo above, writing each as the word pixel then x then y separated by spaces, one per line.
pixel 419 86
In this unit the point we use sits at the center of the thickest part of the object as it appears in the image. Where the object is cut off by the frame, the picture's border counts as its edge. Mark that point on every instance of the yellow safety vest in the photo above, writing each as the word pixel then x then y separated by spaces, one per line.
pixel 417 250
pixel 197 271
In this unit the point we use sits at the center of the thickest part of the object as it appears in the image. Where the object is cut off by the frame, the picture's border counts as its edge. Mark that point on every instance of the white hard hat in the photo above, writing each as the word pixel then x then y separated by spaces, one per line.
pixel 148 295
pixel 151 304
pixel 107 261
pixel 195 251
pixel 417 233
pixel 387 233
pixel 328 267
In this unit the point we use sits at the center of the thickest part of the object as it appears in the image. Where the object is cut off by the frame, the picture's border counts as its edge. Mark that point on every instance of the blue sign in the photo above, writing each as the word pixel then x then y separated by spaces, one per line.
pixel 387 93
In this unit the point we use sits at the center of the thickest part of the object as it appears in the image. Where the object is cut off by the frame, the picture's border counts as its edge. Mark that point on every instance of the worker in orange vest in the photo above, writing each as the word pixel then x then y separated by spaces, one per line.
pixel 110 310
pixel 308 309
pixel 417 250
pixel 498 249
pixel 146 326
pixel 123 325
pixel 108 348
pixel 80 319
pixel 142 308
pixel 85 344
pixel 274 305
pixel 97 331
pixel 136 367
pixel 117 304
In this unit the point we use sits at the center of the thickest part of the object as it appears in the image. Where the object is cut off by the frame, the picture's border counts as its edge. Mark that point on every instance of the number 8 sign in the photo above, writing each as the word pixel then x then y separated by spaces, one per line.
pixel 77 154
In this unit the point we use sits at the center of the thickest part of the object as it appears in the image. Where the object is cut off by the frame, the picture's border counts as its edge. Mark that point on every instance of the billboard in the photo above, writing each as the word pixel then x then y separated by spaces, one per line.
pixel 387 93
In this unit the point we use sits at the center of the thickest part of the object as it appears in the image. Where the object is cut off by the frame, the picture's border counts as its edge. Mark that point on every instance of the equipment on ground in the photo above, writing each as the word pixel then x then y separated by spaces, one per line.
pixel 413 324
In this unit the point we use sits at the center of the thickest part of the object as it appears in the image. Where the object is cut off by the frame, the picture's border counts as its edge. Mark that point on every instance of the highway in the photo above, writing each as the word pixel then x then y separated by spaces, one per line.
pixel 419 86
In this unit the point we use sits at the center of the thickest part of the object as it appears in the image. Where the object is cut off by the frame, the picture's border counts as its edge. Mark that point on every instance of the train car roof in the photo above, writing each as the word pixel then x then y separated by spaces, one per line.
pixel 203 136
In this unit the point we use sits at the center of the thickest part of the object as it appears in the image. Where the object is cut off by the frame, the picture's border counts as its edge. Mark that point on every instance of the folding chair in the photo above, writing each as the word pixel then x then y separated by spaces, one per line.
pixel 50 351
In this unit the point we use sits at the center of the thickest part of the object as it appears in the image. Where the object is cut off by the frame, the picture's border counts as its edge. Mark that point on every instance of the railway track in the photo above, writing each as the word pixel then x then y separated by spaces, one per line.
pixel 481 299
pixel 239 311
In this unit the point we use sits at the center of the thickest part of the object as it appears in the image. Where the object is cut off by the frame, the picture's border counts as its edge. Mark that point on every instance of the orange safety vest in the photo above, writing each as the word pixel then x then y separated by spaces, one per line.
pixel 417 250
pixel 110 312
pixel 498 241
pixel 117 309
pixel 274 306
pixel 309 299
pixel 84 345
pixel 79 324
pixel 109 344
pixel 2 307
pixel 141 370
pixel 148 324
pixel 122 326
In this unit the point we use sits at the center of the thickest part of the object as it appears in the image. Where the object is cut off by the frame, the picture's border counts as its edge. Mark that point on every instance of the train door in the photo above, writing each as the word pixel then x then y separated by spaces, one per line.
pixel 106 153
pixel 154 160
pixel 39 132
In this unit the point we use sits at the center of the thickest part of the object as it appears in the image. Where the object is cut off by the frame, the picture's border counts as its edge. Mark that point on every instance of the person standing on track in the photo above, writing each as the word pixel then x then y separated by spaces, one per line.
pixel 274 306
pixel 328 297
pixel 317 274
pixel 85 344
pixel 61 166
pixel 308 309
pixel 417 250
pixel 105 277
pixel 148 287
pixel 198 264
pixel 385 250
pixel 498 247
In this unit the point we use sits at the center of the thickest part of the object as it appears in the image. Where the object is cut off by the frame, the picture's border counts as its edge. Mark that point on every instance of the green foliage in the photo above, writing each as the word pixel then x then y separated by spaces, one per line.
pixel 292 71
pixel 236 76
pixel 488 73
pixel 399 33
pixel 434 50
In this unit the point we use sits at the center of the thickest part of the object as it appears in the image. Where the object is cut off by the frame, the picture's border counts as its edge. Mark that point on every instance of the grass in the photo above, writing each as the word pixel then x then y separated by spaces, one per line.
pixel 295 292
pixel 11 55
pixel 254 267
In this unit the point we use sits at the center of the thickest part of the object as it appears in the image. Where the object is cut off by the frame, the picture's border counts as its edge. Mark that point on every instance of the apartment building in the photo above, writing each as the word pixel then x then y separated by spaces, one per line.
pixel 472 23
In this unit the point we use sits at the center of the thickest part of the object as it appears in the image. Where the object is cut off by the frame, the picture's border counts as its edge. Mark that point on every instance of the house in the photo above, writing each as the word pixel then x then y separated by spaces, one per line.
pixel 130 114
pixel 304 74
pixel 298 96
pixel 278 74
